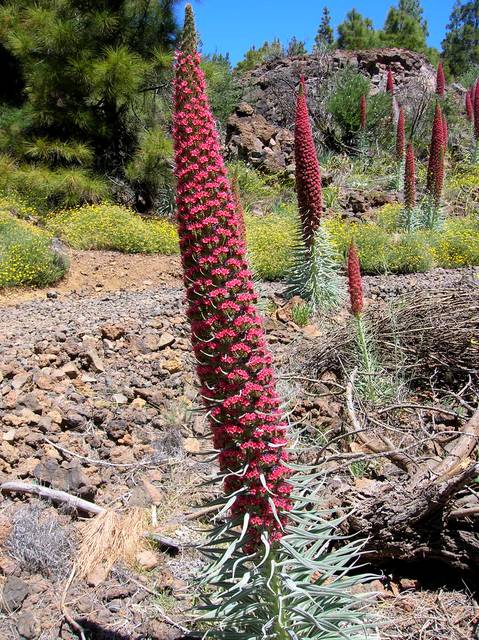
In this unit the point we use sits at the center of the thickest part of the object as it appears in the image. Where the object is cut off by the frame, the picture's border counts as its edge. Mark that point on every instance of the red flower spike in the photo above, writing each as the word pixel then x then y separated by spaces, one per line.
pixel 445 131
pixel 390 83
pixel 354 281
pixel 233 363
pixel 400 136
pixel 440 81
pixel 239 207
pixel 436 155
pixel 363 113
pixel 469 107
pixel 409 179
pixel 476 110
pixel 308 174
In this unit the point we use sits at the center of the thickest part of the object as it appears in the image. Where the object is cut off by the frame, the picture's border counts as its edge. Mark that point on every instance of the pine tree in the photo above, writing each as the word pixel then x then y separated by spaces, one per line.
pixel 403 29
pixel 356 32
pixel 324 39
pixel 92 68
pixel 295 47
pixel 461 44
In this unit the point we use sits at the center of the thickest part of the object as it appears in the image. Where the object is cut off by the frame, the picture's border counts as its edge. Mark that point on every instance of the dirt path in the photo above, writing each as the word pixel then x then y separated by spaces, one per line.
pixel 95 272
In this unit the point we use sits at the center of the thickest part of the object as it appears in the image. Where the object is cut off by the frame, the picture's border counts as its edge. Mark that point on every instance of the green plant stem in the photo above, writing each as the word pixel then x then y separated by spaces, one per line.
pixel 365 355
pixel 279 616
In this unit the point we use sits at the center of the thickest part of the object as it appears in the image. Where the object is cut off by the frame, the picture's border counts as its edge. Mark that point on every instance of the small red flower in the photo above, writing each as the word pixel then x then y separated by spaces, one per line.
pixel 410 179
pixel 308 174
pixel 440 81
pixel 435 169
pixel 400 135
pixel 363 112
pixel 390 82
pixel 476 110
pixel 354 281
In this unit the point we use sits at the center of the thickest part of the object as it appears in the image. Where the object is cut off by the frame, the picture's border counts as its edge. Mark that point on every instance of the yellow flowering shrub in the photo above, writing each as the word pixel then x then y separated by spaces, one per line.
pixel 113 227
pixel 26 257
pixel 270 241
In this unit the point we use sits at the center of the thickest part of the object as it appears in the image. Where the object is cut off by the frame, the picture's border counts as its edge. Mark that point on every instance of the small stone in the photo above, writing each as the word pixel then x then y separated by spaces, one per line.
pixel 9 436
pixel 27 626
pixel 112 331
pixel 95 361
pixel 147 559
pixel 172 365
pixel 51 295
pixel 166 340
pixel 191 445
pixel 14 593
pixel 138 403
pixel 119 398
pixel 70 370
pixel 19 380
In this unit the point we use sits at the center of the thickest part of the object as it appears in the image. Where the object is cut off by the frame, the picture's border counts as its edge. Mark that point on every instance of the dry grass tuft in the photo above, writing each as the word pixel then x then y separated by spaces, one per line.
pixel 108 538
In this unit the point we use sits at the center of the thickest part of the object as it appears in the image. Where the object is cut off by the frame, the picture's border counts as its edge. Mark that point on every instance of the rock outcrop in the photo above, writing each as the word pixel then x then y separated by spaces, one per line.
pixel 259 131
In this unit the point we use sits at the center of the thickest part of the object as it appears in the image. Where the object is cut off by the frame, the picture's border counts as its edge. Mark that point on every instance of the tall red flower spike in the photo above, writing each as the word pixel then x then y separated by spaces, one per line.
pixel 390 83
pixel 308 174
pixel 436 152
pixel 476 110
pixel 354 281
pixel 440 81
pixel 233 362
pixel 445 131
pixel 239 207
pixel 409 179
pixel 469 107
pixel 363 114
pixel 400 135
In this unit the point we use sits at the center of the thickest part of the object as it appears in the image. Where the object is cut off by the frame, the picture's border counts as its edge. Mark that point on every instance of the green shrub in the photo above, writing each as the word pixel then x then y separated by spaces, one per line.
pixel 344 106
pixel 26 257
pixel 458 243
pixel 270 242
pixel 46 189
pixel 112 227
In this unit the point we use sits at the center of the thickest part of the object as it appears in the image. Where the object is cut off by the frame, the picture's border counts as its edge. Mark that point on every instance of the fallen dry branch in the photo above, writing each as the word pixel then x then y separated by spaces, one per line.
pixel 52 494
pixel 416 517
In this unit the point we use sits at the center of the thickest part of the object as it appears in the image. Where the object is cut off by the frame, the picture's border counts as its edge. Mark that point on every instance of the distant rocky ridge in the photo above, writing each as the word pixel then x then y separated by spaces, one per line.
pixel 259 131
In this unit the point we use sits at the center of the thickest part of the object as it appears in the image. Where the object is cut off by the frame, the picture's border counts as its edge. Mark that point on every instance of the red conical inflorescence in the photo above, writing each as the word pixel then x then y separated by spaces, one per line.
pixel 239 207
pixel 390 83
pixel 400 135
pixel 440 81
pixel 233 363
pixel 363 114
pixel 354 281
pixel 409 179
pixel 469 107
pixel 475 104
pixel 308 174
pixel 435 169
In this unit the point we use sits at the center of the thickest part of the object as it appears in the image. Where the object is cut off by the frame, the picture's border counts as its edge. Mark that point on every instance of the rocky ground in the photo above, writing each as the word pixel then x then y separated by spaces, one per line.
pixel 98 399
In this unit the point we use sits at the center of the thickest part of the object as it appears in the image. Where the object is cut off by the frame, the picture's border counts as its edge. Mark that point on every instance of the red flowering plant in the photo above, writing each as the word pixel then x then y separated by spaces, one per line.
pixel 313 274
pixel 410 215
pixel 369 379
pixel 469 107
pixel 440 81
pixel 431 207
pixel 390 82
pixel 400 144
pixel 269 542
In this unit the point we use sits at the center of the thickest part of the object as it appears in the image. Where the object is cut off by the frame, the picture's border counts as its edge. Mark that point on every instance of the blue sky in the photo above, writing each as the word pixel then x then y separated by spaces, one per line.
pixel 234 25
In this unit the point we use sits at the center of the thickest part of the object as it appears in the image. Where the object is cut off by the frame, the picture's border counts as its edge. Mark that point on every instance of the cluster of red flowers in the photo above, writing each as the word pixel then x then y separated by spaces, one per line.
pixel 308 173
pixel 354 281
pixel 409 179
pixel 435 169
pixel 400 136
pixel 390 83
pixel 233 363
pixel 469 107
pixel 363 113
pixel 440 81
